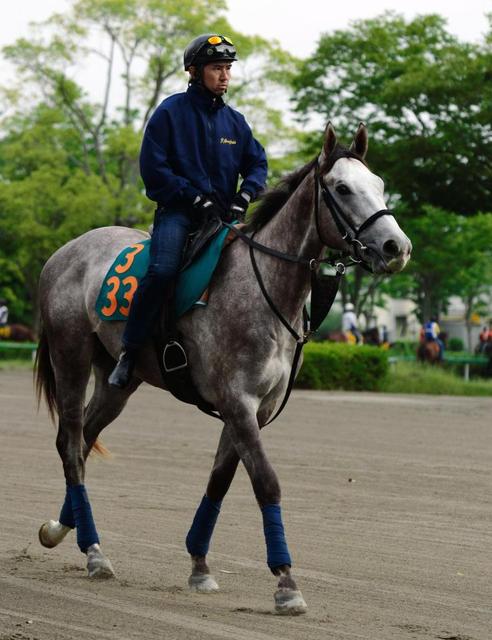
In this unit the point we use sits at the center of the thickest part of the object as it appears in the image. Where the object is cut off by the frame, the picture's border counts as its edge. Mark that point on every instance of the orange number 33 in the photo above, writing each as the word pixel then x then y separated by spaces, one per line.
pixel 114 283
pixel 132 284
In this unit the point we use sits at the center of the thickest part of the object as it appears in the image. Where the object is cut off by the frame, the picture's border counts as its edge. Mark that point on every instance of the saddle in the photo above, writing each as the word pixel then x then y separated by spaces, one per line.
pixel 198 240
pixel 201 256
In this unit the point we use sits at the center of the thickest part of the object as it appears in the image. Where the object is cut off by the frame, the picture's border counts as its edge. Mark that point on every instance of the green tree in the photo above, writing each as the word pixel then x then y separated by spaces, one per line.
pixel 145 40
pixel 70 163
pixel 474 277
pixel 426 98
pixel 46 198
pixel 452 256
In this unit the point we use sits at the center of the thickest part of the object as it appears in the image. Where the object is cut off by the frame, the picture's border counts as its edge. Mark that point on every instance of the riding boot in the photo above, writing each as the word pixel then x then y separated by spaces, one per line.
pixel 122 373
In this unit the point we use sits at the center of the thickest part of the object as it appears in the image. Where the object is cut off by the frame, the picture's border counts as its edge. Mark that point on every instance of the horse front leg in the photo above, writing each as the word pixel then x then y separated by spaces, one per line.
pixel 200 534
pixel 242 426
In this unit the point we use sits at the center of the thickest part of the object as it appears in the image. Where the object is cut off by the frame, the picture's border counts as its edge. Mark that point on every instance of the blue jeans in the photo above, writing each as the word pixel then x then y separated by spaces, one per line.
pixel 171 229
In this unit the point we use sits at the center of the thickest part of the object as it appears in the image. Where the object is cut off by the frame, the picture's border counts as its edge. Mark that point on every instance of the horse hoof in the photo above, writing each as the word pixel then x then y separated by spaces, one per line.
pixel 98 566
pixel 51 533
pixel 289 602
pixel 203 583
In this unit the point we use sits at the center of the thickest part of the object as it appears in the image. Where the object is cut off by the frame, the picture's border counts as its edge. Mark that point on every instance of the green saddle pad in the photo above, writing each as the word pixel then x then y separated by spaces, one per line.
pixel 121 281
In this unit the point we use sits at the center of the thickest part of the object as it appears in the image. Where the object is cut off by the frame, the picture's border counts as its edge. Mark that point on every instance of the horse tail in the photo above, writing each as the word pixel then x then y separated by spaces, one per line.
pixel 46 385
pixel 99 448
pixel 45 376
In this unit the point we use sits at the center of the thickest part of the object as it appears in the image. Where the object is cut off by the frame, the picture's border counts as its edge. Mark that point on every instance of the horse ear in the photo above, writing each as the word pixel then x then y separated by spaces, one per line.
pixel 330 141
pixel 360 143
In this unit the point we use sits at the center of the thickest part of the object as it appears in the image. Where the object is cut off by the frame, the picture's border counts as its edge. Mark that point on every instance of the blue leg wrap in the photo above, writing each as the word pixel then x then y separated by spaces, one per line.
pixel 66 513
pixel 277 551
pixel 198 538
pixel 82 514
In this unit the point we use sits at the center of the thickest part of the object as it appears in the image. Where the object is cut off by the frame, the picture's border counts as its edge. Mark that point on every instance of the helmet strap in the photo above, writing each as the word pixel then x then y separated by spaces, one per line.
pixel 198 77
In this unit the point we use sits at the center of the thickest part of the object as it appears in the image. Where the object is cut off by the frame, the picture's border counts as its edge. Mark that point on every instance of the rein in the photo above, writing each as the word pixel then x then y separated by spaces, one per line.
pixel 308 326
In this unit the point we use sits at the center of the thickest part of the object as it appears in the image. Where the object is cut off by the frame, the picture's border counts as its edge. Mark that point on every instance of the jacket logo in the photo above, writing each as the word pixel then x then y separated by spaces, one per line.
pixel 227 141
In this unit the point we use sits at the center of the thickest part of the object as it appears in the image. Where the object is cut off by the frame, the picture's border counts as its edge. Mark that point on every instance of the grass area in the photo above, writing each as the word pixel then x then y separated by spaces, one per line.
pixel 9 365
pixel 413 377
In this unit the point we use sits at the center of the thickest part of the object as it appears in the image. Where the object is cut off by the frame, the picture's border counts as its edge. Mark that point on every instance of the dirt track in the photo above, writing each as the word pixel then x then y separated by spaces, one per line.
pixel 402 551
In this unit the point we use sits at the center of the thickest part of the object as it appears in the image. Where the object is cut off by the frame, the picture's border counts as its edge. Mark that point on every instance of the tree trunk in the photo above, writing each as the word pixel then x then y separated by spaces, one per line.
pixel 468 314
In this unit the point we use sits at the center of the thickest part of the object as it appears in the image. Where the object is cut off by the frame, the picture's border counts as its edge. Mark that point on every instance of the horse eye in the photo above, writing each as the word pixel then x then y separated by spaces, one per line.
pixel 343 189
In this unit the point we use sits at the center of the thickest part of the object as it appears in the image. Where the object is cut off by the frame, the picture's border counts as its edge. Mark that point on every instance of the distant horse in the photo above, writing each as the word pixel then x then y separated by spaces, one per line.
pixel 487 351
pixel 17 333
pixel 240 352
pixel 336 336
pixel 428 351
pixel 371 336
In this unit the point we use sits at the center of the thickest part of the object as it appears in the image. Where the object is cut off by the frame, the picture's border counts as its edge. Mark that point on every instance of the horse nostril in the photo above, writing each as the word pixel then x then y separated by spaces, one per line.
pixel 391 248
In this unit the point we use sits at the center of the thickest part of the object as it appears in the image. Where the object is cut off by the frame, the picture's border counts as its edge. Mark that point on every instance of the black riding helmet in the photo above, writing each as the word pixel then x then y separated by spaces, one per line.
pixel 209 47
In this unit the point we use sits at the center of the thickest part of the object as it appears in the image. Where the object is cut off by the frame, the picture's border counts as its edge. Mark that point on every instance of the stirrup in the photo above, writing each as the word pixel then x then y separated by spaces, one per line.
pixel 174 357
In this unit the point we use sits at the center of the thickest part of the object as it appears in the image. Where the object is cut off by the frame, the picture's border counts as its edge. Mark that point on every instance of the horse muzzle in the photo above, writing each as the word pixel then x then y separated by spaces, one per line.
pixel 389 256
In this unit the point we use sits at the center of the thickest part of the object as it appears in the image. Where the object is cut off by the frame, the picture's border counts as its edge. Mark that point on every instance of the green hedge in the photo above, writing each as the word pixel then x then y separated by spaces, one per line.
pixel 456 344
pixel 16 350
pixel 341 366
pixel 404 348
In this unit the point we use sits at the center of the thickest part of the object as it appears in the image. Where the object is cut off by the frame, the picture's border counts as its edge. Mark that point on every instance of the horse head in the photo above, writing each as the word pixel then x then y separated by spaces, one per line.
pixel 351 210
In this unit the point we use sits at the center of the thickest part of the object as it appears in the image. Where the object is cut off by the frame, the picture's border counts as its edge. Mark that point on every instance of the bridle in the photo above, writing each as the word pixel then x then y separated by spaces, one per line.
pixel 349 232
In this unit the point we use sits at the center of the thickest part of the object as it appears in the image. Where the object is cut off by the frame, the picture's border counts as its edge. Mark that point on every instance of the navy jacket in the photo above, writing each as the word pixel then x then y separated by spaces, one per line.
pixel 194 143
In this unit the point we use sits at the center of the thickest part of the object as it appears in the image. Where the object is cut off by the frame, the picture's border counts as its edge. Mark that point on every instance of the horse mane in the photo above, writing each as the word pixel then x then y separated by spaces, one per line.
pixel 274 199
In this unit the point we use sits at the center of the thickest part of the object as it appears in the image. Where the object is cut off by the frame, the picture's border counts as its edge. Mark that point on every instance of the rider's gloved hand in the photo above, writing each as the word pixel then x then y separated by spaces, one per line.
pixel 239 206
pixel 206 208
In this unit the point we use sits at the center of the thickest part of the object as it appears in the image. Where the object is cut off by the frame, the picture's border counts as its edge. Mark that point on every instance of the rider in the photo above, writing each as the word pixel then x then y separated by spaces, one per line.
pixel 4 313
pixel 484 338
pixel 431 334
pixel 194 149
pixel 349 323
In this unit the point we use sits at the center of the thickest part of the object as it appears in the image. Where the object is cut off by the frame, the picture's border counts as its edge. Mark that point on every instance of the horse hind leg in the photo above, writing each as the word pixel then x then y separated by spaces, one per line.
pixel 200 534
pixel 71 364
pixel 105 405
pixel 107 401
pixel 53 532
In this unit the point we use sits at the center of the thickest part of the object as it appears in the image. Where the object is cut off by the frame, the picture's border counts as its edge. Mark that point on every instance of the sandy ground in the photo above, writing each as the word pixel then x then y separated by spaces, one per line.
pixel 387 504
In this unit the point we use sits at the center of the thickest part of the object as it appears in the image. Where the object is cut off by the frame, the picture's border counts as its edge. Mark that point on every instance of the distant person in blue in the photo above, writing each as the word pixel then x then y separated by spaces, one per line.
pixel 432 332
pixel 194 150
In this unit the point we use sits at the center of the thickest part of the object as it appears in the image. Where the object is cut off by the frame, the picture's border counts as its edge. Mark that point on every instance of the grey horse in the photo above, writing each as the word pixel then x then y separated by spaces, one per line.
pixel 240 353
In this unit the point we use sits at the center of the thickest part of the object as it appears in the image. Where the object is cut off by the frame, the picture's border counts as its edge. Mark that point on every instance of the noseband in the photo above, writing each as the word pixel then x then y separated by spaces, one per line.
pixel 350 233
